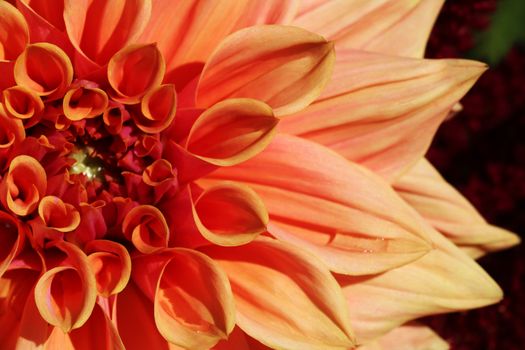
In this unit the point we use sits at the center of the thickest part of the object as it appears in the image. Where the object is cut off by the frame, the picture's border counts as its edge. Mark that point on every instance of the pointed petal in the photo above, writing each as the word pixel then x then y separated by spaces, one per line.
pixel 97 333
pixel 397 27
pixel 111 264
pixel 340 211
pixel 411 336
pixel 100 28
pixel 451 213
pixel 286 67
pixel 444 280
pixel 193 304
pixel 65 295
pixel 284 297
pixel 45 69
pixel 382 111
pixel 200 26
pixel 230 214
pixel 14 32
pixel 134 71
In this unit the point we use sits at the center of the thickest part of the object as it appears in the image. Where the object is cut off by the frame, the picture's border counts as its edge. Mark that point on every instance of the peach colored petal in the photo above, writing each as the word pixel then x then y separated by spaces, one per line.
pixel 451 213
pixel 193 304
pixel 111 264
pixel 230 214
pixel 100 28
pixel 84 103
pixel 232 131
pixel 23 186
pixel 396 106
pixel 411 336
pixel 444 280
pixel 23 103
pixel 134 71
pixel 286 67
pixel 343 213
pixel 65 295
pixel 158 109
pixel 97 333
pixel 284 297
pixel 398 27
pixel 58 215
pixel 14 32
pixel 45 69
pixel 12 235
pixel 146 227
pixel 200 26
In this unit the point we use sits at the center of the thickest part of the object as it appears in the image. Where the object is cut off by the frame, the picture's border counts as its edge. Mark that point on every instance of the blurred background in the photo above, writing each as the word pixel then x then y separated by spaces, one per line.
pixel 481 152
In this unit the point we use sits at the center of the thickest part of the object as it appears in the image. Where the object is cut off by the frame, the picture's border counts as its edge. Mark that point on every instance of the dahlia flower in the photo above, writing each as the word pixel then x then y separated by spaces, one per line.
pixel 242 174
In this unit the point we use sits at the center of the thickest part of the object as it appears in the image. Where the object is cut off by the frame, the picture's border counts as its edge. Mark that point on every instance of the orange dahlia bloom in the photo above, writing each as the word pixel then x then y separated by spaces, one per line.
pixel 243 174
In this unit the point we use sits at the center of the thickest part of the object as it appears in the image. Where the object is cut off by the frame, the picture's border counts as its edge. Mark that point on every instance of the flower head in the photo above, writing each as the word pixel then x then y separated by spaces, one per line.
pixel 200 174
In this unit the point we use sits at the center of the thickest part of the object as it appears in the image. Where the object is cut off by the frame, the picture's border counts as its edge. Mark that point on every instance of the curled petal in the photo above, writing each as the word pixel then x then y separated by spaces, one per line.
pixel 24 104
pixel 451 213
pixel 99 28
pixel 93 223
pixel 392 99
pixel 285 298
pixel 58 215
pixel 230 214
pixel 193 304
pixel 444 280
pixel 340 211
pixel 146 227
pixel 11 131
pixel 14 32
pixel 286 67
pixel 111 263
pixel 114 117
pixel 232 131
pixel 11 240
pixel 23 186
pixel 134 71
pixel 97 333
pixel 158 109
pixel 65 295
pixel 84 103
pixel 161 177
pixel 200 26
pixel 45 69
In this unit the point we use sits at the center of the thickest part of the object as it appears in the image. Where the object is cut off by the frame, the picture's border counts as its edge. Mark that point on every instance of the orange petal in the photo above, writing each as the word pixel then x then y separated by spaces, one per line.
pixel 11 131
pixel 412 336
pixel 114 117
pixel 65 295
pixel 99 28
pixel 230 214
pixel 340 211
pixel 200 26
pixel 45 69
pixel 444 280
pixel 286 67
pixel 14 32
pixel 97 333
pixel 11 240
pixel 23 186
pixel 58 215
pixel 193 304
pixel 232 131
pixel 451 213
pixel 396 106
pixel 84 103
pixel 146 227
pixel 239 340
pixel 284 297
pixel 111 263
pixel 23 103
pixel 134 71
pixel 158 109
pixel 398 27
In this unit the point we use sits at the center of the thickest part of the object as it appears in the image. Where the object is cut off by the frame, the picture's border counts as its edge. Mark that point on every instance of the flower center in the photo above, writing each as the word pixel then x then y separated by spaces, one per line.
pixel 86 164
